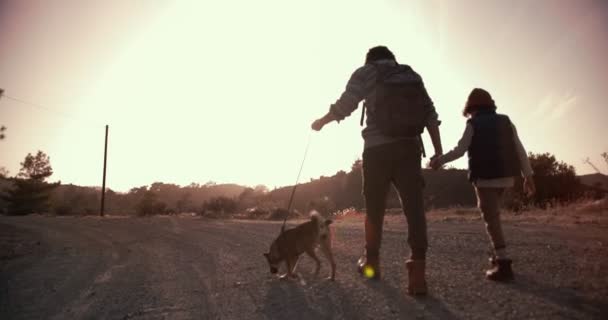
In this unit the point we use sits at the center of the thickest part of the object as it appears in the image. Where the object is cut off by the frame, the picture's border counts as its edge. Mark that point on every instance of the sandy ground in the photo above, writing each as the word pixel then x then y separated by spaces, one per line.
pixel 194 268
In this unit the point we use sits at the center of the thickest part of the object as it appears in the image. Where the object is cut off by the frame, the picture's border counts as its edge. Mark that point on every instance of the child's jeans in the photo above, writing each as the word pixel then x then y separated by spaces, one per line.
pixel 488 201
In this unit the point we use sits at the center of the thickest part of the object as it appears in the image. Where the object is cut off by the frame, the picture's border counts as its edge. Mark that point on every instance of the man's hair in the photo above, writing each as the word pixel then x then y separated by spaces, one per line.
pixel 379 53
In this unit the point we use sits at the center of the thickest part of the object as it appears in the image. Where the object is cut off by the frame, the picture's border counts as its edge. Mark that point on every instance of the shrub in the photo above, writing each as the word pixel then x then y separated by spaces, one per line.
pixel 62 210
pixel 282 213
pixel 150 205
pixel 556 183
pixel 257 212
pixel 219 206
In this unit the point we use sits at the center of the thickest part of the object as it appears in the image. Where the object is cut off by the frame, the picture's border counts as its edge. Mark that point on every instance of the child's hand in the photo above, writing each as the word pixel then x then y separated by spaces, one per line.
pixel 529 186
pixel 435 162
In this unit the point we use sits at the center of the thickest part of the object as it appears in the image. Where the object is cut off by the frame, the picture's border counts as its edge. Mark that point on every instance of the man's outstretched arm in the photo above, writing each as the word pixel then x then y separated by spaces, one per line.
pixel 321 122
pixel 358 86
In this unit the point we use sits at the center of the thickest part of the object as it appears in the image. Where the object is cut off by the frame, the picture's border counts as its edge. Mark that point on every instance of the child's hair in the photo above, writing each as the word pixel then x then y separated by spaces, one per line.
pixel 479 99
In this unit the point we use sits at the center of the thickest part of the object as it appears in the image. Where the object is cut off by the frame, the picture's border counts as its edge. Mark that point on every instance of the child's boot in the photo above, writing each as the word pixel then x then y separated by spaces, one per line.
pixel 500 269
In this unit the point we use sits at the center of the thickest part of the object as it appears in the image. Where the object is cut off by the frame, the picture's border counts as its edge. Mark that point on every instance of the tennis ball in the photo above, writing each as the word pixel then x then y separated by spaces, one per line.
pixel 368 271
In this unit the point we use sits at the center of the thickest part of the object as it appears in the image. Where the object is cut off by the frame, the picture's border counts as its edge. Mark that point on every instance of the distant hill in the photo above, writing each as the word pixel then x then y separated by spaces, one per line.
pixel 595 180
pixel 227 190
pixel 70 199
pixel 443 188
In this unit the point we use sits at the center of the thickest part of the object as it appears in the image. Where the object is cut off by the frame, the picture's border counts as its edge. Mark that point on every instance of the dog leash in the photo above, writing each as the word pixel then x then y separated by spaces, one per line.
pixel 293 191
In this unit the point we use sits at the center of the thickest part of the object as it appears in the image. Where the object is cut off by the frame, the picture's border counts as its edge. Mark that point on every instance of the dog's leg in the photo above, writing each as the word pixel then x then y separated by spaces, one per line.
pixel 288 266
pixel 326 248
pixel 294 264
pixel 291 263
pixel 313 255
pixel 288 272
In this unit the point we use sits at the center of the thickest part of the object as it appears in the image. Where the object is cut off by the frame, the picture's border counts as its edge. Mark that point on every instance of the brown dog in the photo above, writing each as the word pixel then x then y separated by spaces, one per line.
pixel 306 237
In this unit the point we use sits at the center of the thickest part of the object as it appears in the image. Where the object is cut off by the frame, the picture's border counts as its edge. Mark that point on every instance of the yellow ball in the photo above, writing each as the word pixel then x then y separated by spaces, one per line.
pixel 368 271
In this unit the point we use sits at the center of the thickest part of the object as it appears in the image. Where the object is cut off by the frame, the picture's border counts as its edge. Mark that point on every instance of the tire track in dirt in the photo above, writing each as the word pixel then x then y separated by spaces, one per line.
pixel 185 268
pixel 70 258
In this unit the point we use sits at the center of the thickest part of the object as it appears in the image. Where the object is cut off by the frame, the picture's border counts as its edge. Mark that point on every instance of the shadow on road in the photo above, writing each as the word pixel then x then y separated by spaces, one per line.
pixel 330 300
pixel 415 307
pixel 560 296
pixel 322 300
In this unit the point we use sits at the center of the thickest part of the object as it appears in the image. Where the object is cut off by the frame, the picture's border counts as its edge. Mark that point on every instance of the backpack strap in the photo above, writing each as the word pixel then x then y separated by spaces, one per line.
pixel 362 115
pixel 381 73
pixel 379 76
pixel 363 108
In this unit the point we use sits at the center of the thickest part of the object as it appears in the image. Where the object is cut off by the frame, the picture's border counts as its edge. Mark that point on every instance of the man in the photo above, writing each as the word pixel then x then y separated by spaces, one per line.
pixel 398 109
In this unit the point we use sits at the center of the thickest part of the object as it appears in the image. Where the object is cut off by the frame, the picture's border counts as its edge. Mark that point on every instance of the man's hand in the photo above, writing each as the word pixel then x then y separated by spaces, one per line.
pixel 529 186
pixel 318 124
pixel 435 162
pixel 433 131
pixel 321 122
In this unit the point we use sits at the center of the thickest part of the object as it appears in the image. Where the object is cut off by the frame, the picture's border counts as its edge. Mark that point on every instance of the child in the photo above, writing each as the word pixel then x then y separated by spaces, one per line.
pixel 496 156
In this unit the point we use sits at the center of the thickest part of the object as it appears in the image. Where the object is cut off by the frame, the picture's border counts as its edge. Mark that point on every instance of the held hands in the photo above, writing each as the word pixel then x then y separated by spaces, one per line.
pixel 435 162
pixel 529 186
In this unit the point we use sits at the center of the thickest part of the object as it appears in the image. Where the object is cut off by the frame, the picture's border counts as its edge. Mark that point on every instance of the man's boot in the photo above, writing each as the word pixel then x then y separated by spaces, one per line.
pixel 501 270
pixel 416 277
pixel 369 264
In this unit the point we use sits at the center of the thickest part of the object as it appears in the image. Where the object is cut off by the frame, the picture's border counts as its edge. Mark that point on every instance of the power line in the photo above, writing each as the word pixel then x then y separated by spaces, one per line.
pixel 105 160
pixel 51 110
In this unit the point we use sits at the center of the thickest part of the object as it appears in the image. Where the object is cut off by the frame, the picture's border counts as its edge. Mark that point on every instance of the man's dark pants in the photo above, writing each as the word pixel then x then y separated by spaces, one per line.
pixel 396 163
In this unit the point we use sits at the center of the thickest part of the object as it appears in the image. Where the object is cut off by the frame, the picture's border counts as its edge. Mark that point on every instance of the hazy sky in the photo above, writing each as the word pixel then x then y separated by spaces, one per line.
pixel 225 91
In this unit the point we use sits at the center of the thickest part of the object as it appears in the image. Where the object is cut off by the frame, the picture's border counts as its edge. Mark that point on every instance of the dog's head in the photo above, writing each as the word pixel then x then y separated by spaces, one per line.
pixel 322 224
pixel 273 257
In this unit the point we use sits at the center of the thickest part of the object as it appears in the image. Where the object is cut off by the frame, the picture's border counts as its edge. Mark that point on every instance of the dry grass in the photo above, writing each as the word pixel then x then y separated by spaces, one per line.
pixel 591 213
pixel 588 212
pixel 585 212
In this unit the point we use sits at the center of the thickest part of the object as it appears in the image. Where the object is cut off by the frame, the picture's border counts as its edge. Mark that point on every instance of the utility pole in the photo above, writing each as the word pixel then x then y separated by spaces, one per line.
pixel 2 128
pixel 103 186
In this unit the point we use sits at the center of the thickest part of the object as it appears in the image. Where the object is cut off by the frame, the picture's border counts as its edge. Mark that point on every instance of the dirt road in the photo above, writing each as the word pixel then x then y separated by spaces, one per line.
pixel 193 268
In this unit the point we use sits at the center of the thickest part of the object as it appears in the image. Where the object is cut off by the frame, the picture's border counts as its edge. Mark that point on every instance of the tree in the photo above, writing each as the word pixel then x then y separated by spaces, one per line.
pixel 4 173
pixel 184 204
pixel 71 199
pixel 219 205
pixel 168 193
pixel 592 165
pixel 252 197
pixel 30 192
pixel 247 198
pixel 36 167
pixel 150 204
pixel 555 180
pixel 260 189
pixel 352 187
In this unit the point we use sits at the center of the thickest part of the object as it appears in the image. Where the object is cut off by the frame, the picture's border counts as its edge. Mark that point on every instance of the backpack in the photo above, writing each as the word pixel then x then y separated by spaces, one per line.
pixel 402 104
